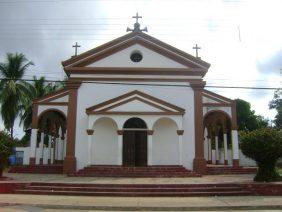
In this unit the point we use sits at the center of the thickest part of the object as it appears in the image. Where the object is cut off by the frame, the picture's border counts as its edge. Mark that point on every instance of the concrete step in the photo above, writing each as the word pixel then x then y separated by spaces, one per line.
pixel 140 189
pixel 136 194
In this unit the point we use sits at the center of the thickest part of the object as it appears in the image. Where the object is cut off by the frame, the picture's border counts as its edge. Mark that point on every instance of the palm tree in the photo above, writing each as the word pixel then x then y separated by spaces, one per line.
pixel 12 88
pixel 36 89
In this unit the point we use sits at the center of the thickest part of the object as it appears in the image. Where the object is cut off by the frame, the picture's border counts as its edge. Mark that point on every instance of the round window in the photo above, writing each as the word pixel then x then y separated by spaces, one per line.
pixel 136 57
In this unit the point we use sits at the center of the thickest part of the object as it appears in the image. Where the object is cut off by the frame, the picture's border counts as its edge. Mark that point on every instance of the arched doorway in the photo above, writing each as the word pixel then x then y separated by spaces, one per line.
pixel 51 141
pixel 134 142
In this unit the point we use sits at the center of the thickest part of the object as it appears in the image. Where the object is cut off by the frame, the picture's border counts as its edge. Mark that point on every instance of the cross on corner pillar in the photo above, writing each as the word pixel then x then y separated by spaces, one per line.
pixel 199 163
pixel 69 164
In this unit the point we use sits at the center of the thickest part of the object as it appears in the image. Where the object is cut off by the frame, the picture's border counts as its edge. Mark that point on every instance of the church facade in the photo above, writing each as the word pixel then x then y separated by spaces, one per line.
pixel 134 101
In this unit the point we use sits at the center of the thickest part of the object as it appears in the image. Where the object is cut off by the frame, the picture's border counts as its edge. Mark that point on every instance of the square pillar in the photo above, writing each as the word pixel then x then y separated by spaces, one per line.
pixel 150 147
pixel 69 164
pixel 90 138
pixel 209 150
pixel 199 163
pixel 49 149
pixel 216 150
pixel 180 141
pixel 235 147
pixel 120 146
pixel 33 141
pixel 41 146
pixel 225 148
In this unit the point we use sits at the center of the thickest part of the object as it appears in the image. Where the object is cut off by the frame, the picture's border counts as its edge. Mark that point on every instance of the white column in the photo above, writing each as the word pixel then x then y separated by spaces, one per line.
pixel 49 149
pixel 120 136
pixel 60 145
pixel 150 147
pixel 52 149
pixel 225 148
pixel 235 147
pixel 216 150
pixel 33 141
pixel 90 140
pixel 180 140
pixel 41 146
pixel 65 147
pixel 56 146
pixel 209 150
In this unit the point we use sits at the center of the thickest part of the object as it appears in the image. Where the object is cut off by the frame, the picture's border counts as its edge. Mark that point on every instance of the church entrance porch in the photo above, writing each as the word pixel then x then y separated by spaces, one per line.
pixel 134 143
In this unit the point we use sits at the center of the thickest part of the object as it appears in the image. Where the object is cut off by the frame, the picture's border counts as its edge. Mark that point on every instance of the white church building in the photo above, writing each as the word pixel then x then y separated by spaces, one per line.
pixel 134 101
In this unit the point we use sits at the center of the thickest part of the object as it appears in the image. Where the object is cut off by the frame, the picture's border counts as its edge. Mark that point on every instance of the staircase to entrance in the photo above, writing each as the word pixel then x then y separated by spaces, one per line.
pixel 124 171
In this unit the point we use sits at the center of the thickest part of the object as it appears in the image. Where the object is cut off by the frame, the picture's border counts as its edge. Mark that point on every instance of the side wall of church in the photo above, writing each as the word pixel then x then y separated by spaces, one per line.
pixel 90 94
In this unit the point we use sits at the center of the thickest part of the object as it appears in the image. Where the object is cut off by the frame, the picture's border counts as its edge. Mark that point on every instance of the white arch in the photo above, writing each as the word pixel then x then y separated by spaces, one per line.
pixel 142 118
pixel 43 108
pixel 104 140
pixel 165 144
pixel 103 118
pixel 168 118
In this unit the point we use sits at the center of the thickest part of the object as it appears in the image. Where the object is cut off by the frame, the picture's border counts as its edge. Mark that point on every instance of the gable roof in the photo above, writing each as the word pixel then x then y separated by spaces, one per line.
pixel 213 99
pixel 157 106
pixel 127 40
pixel 54 98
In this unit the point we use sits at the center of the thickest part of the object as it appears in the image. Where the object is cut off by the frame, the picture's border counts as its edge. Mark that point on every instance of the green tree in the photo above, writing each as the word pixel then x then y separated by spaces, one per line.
pixel 12 88
pixel 246 118
pixel 36 89
pixel 276 103
pixel 265 147
pixel 6 148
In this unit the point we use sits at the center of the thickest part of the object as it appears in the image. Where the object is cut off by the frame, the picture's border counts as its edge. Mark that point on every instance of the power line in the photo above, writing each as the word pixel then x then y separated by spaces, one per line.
pixel 175 85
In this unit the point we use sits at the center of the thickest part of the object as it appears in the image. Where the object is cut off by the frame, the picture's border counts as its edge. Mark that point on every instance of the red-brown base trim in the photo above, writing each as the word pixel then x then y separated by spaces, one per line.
pixel 200 165
pixel 217 162
pixel 69 165
pixel 235 162
pixel 31 161
pixel 209 162
pixel 225 162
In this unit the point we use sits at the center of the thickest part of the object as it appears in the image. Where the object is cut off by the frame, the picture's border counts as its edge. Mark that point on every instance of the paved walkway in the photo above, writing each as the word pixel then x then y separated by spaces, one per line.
pixel 189 180
pixel 28 202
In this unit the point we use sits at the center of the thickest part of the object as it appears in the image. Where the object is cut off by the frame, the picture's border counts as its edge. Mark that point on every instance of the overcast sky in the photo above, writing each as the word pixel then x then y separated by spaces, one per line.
pixel 240 39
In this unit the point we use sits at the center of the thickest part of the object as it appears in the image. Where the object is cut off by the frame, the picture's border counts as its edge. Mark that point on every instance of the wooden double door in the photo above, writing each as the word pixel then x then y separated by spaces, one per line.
pixel 134 148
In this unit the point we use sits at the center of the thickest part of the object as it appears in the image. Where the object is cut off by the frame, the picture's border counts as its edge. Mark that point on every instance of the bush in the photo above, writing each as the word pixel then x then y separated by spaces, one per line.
pixel 265 147
pixel 6 148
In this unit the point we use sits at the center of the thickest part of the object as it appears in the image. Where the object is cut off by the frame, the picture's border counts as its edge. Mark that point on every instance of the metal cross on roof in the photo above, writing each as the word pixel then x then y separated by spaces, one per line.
pixel 137 17
pixel 196 48
pixel 137 25
pixel 76 46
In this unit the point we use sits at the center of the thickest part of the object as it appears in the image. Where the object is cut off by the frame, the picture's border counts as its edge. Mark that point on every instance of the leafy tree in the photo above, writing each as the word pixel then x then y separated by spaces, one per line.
pixel 276 103
pixel 265 147
pixel 12 88
pixel 36 89
pixel 247 119
pixel 6 148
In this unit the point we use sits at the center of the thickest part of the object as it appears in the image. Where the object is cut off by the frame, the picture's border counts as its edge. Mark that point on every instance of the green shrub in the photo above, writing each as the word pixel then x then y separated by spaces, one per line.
pixel 265 147
pixel 6 148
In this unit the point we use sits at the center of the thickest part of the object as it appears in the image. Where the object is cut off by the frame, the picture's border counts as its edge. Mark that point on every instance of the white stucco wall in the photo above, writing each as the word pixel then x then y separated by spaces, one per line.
pixel 90 94
pixel 105 143
pixel 25 151
pixel 42 108
pixel 150 59
pixel 165 143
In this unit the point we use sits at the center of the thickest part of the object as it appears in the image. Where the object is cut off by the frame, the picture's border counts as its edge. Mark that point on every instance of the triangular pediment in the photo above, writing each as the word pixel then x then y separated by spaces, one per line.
pixel 57 97
pixel 135 102
pixel 212 99
pixel 116 54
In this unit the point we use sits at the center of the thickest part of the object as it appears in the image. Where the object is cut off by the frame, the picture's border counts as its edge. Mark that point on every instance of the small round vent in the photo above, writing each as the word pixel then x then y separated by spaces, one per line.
pixel 136 56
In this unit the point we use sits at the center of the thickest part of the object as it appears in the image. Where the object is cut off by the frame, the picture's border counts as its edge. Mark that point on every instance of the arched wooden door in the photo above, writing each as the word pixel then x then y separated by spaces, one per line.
pixel 135 143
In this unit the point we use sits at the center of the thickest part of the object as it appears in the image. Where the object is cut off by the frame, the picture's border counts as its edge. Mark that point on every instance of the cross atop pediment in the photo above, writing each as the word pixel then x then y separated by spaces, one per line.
pixel 137 25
